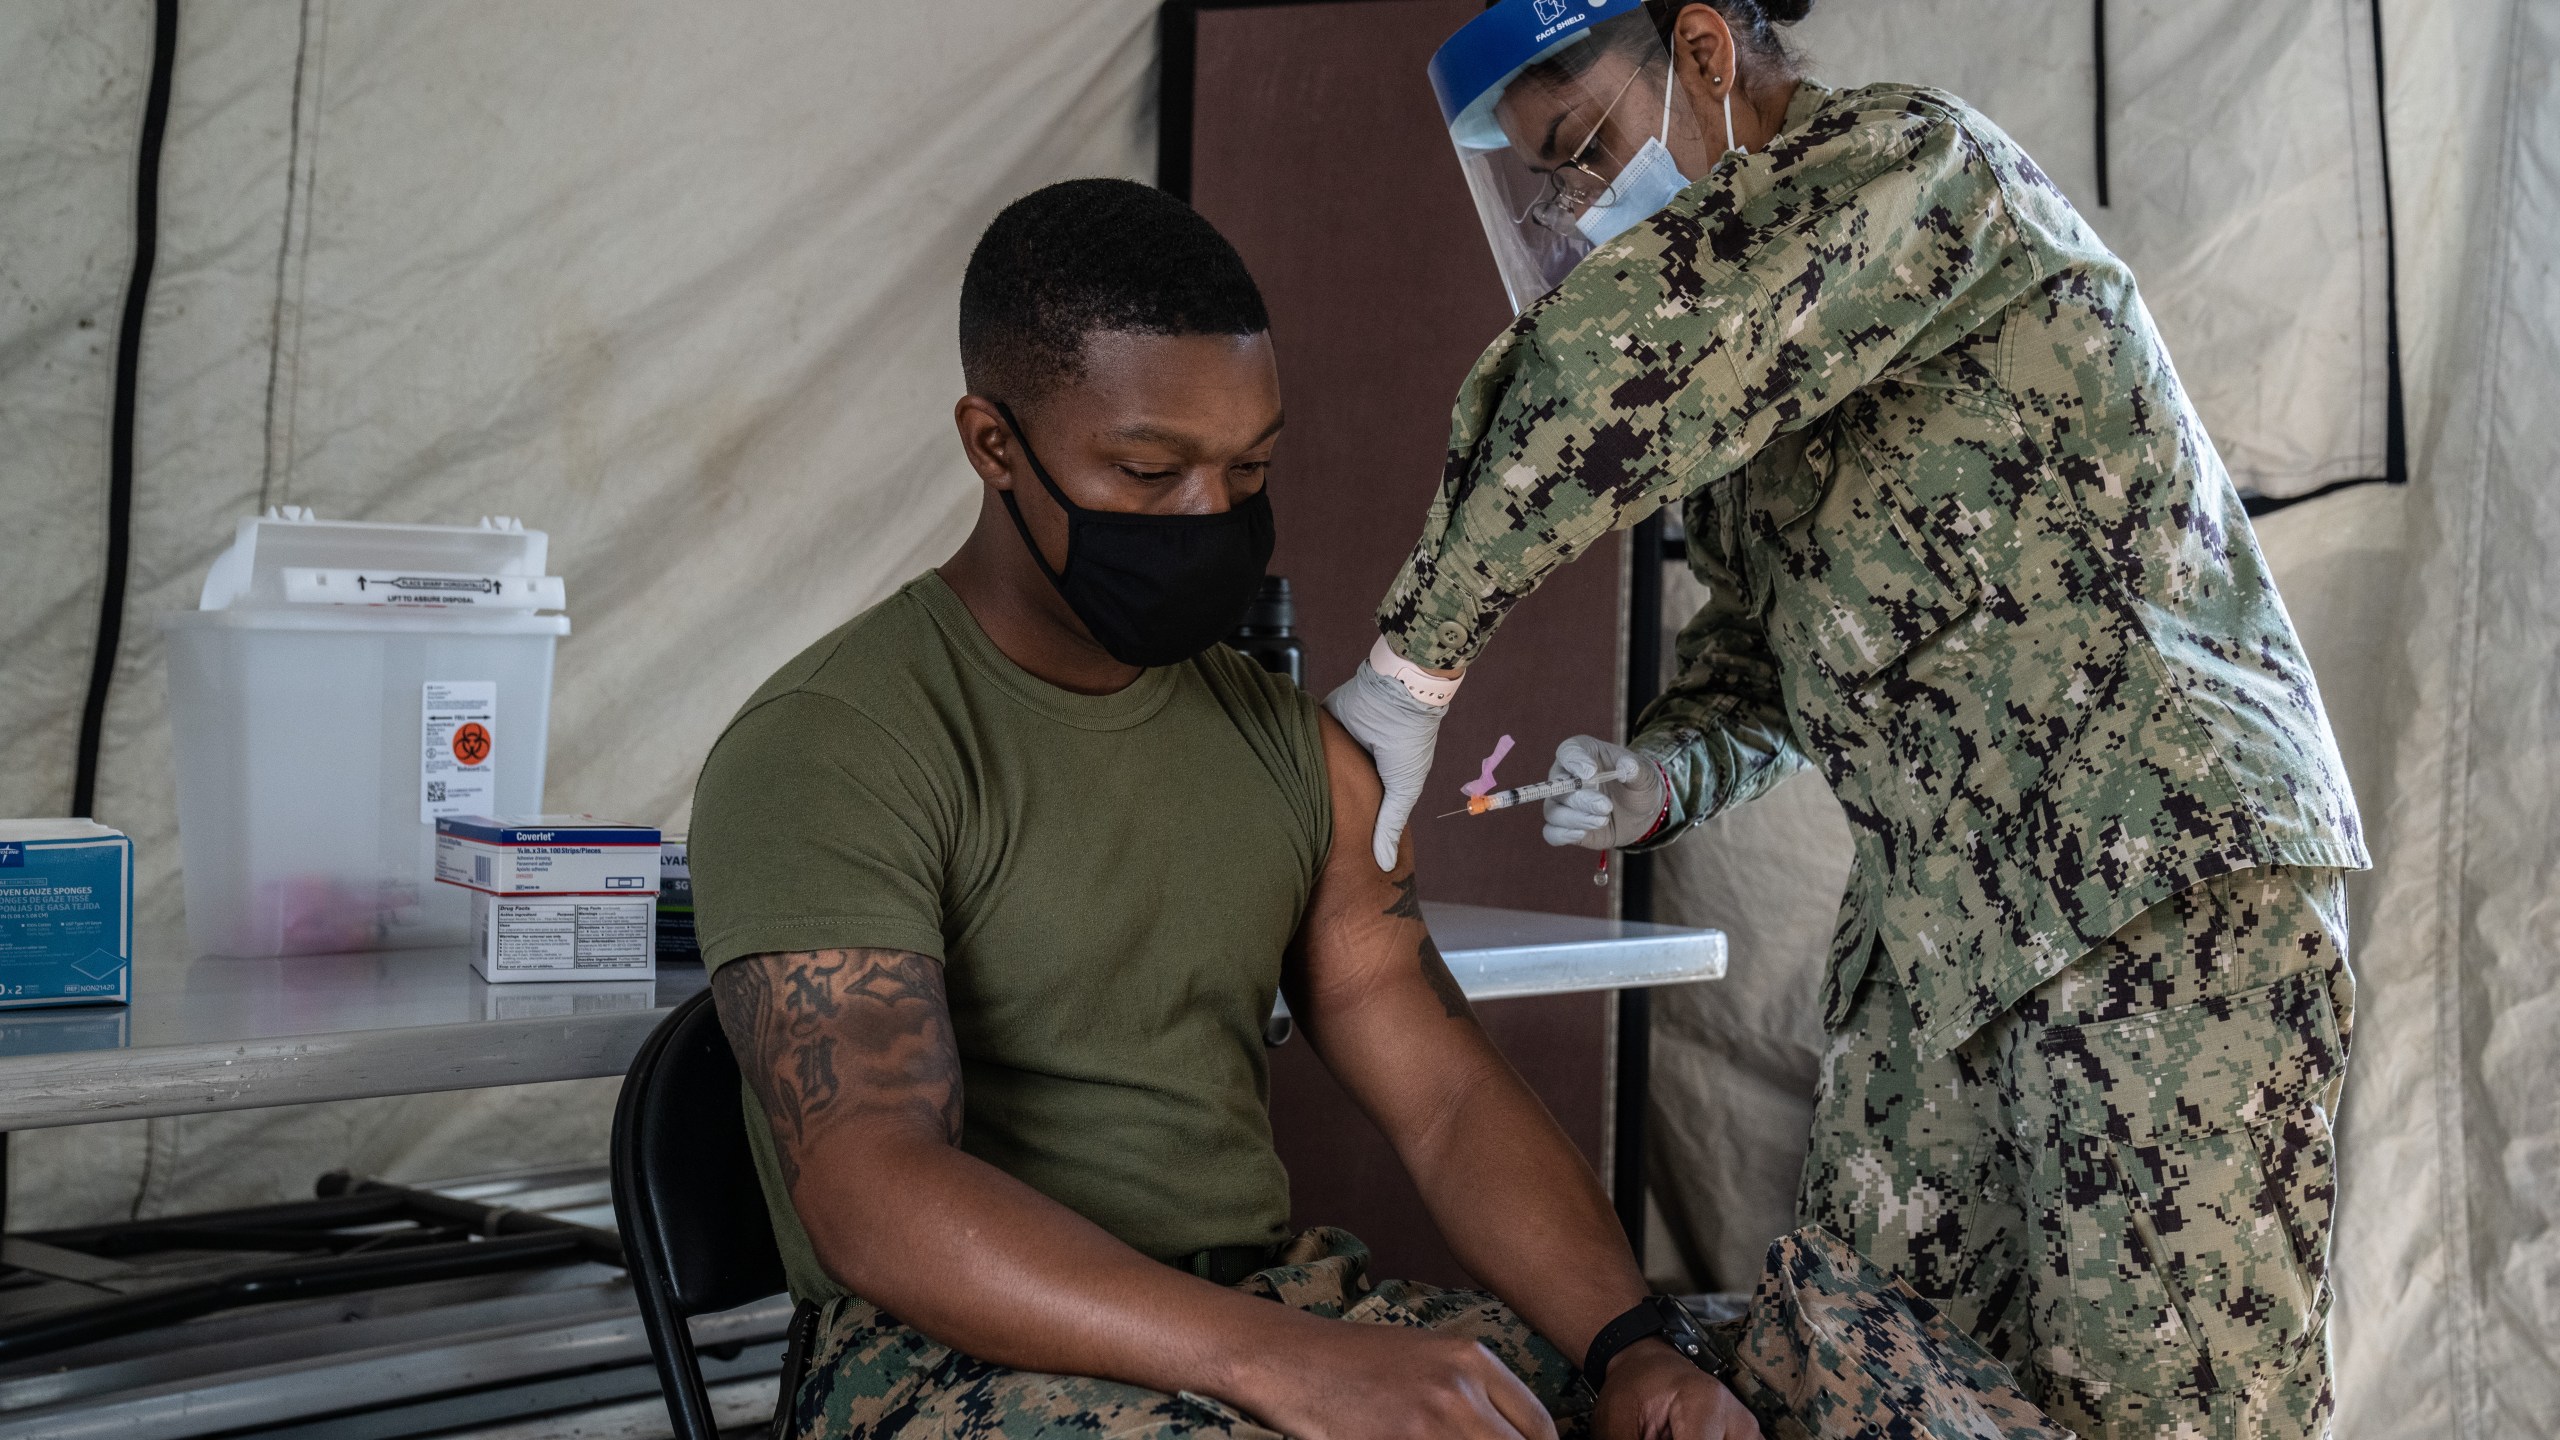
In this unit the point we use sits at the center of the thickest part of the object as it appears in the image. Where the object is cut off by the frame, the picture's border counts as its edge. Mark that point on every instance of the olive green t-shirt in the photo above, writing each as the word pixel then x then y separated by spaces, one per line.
pixel 1109 882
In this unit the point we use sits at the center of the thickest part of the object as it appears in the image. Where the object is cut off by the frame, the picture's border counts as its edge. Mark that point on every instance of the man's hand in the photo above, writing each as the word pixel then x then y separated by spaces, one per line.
pixel 1389 1382
pixel 1655 1394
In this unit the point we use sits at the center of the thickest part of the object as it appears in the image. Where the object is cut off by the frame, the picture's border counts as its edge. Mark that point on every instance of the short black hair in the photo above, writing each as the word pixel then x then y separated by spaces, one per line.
pixel 1082 256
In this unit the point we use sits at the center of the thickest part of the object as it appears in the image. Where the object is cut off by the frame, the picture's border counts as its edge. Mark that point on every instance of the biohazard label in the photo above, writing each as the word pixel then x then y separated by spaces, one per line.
pixel 458 770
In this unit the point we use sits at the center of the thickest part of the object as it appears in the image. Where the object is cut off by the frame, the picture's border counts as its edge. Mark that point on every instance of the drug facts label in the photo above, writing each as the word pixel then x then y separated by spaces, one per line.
pixel 458 768
pixel 551 935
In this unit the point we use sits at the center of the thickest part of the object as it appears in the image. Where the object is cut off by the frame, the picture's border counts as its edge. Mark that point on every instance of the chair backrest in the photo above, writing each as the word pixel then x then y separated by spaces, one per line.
pixel 694 1228
pixel 692 1215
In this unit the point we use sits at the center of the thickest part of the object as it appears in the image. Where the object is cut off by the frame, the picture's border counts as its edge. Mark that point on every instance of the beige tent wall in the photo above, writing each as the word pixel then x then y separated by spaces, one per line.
pixel 2246 168
pixel 2452 1215
pixel 676 283
pixel 74 107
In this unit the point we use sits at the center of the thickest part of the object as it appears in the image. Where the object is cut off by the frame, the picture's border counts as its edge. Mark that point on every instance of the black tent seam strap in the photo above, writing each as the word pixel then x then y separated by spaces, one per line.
pixel 137 296
pixel 294 200
pixel 2098 90
pixel 2395 441
pixel 2257 506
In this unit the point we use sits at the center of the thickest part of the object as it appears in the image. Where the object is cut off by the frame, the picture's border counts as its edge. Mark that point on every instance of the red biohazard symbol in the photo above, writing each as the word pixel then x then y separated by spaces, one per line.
pixel 471 743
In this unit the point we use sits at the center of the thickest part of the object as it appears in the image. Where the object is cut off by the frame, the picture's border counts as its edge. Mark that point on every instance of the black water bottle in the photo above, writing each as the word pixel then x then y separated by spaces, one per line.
pixel 1268 633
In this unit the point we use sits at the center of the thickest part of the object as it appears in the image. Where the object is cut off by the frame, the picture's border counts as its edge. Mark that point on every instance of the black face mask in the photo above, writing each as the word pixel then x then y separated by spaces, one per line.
pixel 1153 589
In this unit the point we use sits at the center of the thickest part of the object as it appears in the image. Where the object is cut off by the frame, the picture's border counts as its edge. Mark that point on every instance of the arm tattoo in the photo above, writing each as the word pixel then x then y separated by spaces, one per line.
pixel 824 1035
pixel 1408 902
pixel 1435 971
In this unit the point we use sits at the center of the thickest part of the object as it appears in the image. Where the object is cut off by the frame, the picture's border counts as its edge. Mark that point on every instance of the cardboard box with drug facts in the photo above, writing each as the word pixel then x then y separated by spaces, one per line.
pixel 555 897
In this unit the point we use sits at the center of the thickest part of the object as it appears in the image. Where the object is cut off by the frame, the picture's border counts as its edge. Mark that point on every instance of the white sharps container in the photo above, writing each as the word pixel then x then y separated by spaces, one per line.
pixel 339 686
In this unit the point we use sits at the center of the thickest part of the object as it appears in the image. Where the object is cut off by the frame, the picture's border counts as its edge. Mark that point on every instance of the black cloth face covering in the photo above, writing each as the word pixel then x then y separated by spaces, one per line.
pixel 1152 589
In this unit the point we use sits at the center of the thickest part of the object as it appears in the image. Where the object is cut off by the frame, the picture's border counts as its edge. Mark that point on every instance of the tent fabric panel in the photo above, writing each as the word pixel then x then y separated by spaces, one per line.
pixel 1735 1061
pixel 187 1164
pixel 208 350
pixel 2455 1299
pixel 716 367
pixel 717 370
pixel 2263 261
pixel 72 77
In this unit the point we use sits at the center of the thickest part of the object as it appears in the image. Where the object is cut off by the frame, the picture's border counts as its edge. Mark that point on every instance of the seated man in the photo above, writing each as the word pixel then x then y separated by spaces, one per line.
pixel 999 881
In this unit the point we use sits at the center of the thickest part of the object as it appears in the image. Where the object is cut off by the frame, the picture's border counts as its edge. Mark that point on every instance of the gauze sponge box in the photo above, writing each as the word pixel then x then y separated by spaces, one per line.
pixel 555 897
pixel 66 914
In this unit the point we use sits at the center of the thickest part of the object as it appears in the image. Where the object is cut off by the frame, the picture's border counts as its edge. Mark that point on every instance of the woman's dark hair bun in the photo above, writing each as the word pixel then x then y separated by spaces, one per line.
pixel 1786 12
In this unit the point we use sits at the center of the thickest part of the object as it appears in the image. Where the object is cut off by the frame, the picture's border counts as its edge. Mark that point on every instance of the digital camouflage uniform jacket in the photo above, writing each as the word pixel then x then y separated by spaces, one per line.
pixel 1966 544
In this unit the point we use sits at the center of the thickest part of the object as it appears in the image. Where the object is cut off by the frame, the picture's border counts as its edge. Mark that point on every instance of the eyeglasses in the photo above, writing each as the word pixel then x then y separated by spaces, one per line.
pixel 1559 202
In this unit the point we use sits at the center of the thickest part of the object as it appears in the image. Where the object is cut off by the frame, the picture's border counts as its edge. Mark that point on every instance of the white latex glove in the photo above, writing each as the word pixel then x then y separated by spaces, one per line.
pixel 1399 731
pixel 1616 813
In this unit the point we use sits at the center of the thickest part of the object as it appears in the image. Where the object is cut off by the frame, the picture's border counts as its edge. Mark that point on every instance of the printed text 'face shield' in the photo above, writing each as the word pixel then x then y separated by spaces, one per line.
pixel 1562 115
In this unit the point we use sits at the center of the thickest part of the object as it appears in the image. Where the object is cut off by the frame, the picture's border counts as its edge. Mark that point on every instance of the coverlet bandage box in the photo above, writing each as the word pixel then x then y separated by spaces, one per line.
pixel 547 855
pixel 555 897
pixel 66 914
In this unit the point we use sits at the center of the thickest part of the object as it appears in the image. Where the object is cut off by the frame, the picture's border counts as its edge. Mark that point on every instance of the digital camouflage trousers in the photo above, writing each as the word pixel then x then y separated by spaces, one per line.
pixel 2121 1185
pixel 1831 1347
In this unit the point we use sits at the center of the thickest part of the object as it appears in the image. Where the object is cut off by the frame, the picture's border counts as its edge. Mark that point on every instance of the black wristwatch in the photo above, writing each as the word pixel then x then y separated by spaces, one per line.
pixel 1660 1315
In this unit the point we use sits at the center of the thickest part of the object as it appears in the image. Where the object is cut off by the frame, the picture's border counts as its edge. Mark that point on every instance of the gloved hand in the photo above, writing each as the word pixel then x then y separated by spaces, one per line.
pixel 1399 731
pixel 1620 811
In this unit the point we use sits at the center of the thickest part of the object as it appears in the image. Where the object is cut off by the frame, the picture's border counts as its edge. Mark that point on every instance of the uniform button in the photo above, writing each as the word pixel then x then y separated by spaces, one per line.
pixel 1452 635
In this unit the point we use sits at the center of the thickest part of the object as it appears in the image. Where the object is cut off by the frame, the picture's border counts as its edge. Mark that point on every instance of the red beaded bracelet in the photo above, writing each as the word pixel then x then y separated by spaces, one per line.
pixel 1665 812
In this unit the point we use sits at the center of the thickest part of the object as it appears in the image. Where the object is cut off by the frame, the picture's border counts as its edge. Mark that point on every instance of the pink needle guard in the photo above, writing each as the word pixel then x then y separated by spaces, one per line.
pixel 1483 784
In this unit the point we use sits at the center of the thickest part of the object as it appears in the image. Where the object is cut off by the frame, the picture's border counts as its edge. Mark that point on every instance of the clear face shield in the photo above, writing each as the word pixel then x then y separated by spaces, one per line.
pixel 1565 118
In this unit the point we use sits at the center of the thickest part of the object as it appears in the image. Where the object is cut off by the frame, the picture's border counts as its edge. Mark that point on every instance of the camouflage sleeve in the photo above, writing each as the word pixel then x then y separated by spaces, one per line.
pixel 1751 306
pixel 1720 727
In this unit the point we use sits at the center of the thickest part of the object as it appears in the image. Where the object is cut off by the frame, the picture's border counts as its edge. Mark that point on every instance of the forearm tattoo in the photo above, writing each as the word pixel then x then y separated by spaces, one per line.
pixel 1435 971
pixel 824 1035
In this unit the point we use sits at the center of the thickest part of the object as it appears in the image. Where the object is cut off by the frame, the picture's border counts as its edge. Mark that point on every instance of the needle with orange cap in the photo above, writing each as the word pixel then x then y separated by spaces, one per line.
pixel 1543 790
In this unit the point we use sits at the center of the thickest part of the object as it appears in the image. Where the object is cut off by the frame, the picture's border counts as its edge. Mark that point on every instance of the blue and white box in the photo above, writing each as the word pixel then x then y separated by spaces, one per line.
pixel 66 914
pixel 547 855
pixel 555 897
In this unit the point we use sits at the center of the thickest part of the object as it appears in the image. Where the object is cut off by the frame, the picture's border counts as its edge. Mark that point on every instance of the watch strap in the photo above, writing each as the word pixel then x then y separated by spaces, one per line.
pixel 1654 1315
pixel 1435 691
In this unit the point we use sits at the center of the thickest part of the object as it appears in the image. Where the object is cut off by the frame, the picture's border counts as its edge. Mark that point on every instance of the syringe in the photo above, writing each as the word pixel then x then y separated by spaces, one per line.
pixel 1543 790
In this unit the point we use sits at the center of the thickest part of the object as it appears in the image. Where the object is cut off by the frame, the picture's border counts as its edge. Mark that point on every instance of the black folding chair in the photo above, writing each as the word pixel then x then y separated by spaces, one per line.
pixel 694 1229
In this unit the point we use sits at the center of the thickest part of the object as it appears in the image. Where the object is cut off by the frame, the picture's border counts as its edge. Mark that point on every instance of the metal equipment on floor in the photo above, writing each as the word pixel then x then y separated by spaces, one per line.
pixel 494 1307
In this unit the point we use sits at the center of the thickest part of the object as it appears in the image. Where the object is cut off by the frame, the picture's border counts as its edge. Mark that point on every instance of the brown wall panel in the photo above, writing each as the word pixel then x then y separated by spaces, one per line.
pixel 1317 148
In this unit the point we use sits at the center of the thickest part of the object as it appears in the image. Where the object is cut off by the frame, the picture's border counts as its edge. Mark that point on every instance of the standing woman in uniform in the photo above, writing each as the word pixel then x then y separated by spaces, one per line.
pixel 1969 551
